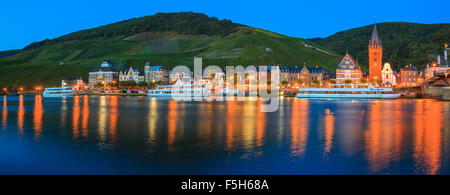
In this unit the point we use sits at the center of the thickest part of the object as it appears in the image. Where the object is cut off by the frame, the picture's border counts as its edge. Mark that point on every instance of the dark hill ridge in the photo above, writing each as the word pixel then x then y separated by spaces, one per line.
pixel 403 43
pixel 187 23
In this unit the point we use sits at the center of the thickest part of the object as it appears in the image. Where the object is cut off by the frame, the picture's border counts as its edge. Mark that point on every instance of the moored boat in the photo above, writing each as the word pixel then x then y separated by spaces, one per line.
pixel 348 91
pixel 59 92
pixel 63 91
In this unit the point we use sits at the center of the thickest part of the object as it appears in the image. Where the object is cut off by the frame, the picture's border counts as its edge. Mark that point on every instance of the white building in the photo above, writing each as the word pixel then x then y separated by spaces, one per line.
pixel 388 76
pixel 131 74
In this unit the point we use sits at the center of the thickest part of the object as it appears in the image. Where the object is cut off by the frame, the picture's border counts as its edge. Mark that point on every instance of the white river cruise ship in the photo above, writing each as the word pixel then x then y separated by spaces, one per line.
pixel 349 91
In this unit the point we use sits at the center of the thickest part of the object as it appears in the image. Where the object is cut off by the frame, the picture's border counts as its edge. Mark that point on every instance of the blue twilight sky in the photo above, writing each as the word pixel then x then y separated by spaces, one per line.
pixel 25 21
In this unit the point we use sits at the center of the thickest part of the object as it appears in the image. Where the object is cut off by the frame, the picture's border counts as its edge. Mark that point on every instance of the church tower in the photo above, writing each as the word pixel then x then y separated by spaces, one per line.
pixel 375 56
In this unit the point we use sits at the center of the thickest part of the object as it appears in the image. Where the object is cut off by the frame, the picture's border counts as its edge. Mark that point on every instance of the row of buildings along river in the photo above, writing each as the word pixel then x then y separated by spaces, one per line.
pixel 348 71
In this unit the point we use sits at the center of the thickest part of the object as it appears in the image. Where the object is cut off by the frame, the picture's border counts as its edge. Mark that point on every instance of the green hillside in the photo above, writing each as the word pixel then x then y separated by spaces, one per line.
pixel 166 39
pixel 403 43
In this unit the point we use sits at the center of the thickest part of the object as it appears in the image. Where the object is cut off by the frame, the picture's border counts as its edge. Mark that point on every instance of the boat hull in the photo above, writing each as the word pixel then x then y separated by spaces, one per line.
pixel 57 95
pixel 349 96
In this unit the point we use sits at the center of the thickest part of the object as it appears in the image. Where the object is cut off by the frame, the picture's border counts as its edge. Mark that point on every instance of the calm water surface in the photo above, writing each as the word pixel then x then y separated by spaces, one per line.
pixel 138 135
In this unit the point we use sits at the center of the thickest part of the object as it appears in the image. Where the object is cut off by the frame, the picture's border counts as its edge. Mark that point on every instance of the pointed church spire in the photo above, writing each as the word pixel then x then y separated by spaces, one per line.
pixel 375 40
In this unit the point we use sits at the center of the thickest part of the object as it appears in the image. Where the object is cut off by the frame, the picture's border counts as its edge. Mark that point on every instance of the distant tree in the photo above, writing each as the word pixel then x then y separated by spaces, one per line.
pixel 143 84
pixel 127 84
pixel 99 85
pixel 284 83
pixel 347 81
pixel 111 85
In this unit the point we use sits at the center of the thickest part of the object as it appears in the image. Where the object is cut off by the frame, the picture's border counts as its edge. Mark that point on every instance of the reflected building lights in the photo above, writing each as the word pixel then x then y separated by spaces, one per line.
pixel 20 115
pixel 380 136
pixel 428 135
pixel 85 117
pixel 113 117
pixel 37 116
pixel 63 112
pixel 231 122
pixel 152 119
pixel 249 124
pixel 260 124
pixel 172 119
pixel 5 113
pixel 102 117
pixel 76 117
pixel 329 130
pixel 299 126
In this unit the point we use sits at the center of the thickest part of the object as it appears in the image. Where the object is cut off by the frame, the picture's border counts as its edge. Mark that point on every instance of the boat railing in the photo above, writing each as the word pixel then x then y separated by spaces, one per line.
pixel 58 88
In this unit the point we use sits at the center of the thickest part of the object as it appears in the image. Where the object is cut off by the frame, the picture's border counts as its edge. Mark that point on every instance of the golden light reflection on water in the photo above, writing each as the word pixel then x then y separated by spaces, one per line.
pixel 37 117
pixel 76 116
pixel 383 133
pixel 428 135
pixel 231 122
pixel 379 138
pixel 5 113
pixel 102 118
pixel 260 124
pixel 398 121
pixel 206 126
pixel 249 124
pixel 172 119
pixel 299 126
pixel 152 119
pixel 329 130
pixel 85 117
pixel 20 115
pixel 113 117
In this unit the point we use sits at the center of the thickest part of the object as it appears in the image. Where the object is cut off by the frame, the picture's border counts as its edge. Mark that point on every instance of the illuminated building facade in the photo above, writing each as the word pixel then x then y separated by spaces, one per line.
pixel 104 74
pixel 131 74
pixel 409 76
pixel 388 76
pixel 348 70
pixel 156 73
pixel 375 57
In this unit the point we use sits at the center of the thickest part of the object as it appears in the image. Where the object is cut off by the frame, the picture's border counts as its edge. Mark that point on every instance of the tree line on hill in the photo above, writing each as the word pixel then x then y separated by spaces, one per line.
pixel 188 23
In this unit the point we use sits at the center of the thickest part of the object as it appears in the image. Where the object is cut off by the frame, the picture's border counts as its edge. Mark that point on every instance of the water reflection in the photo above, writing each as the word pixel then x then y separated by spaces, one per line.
pixel 299 126
pixel 85 117
pixel 172 119
pixel 37 117
pixel 380 136
pixel 113 116
pixel 5 113
pixel 76 116
pixel 427 146
pixel 401 136
pixel 102 117
pixel 63 112
pixel 152 118
pixel 249 124
pixel 260 124
pixel 20 115
pixel 232 123
pixel 329 131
